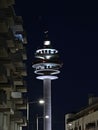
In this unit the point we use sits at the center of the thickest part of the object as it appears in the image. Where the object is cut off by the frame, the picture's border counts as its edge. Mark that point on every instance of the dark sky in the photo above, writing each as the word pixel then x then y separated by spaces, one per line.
pixel 73 31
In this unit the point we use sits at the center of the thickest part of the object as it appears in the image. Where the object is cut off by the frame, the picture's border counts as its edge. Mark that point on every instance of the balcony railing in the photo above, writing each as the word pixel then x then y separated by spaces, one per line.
pixel 16 95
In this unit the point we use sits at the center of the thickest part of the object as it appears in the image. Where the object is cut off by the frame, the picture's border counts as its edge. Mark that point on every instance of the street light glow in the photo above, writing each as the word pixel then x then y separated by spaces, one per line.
pixel 70 124
pixel 41 101
pixel 47 116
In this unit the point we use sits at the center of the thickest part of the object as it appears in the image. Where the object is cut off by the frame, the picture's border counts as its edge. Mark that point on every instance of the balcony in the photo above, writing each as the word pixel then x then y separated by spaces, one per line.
pixel 21 88
pixel 8 107
pixel 17 80
pixel 16 57
pixel 18 29
pixel 20 67
pixel 6 86
pixel 17 117
pixel 24 123
pixel 22 71
pixel 21 106
pixel 18 100
pixel 16 95
pixel 15 46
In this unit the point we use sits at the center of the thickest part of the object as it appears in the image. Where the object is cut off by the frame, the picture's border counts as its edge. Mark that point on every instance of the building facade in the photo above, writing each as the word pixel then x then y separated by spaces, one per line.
pixel 86 119
pixel 12 68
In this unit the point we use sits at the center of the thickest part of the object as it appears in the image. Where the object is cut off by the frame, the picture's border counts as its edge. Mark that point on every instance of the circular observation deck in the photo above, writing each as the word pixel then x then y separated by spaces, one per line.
pixel 47 61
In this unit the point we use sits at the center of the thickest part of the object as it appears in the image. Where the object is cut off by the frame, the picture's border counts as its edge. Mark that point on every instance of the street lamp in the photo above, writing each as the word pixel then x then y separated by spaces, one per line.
pixel 46 116
pixel 39 117
pixel 41 101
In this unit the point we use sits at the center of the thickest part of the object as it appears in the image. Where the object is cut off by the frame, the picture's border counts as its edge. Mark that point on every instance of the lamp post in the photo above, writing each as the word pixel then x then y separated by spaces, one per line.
pixel 37 119
pixel 41 101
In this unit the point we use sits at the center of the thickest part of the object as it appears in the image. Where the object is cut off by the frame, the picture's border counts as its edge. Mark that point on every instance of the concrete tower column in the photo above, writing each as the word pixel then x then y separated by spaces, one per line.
pixel 47 105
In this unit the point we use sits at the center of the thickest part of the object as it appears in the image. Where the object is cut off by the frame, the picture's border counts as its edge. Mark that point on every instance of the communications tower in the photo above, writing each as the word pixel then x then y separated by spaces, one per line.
pixel 46 66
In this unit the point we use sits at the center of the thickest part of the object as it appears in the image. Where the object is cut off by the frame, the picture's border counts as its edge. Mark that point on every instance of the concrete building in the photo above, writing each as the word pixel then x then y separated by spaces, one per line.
pixel 85 119
pixel 12 68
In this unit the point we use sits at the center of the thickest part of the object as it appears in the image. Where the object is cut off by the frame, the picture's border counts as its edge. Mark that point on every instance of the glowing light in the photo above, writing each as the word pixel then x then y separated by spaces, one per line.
pixel 40 57
pixel 48 57
pixel 52 51
pixel 41 72
pixel 47 116
pixel 47 77
pixel 47 43
pixel 41 101
pixel 70 124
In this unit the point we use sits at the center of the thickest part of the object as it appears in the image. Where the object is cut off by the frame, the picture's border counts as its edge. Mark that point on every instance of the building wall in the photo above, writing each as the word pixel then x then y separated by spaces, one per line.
pixel 83 122
pixel 86 119
pixel 12 68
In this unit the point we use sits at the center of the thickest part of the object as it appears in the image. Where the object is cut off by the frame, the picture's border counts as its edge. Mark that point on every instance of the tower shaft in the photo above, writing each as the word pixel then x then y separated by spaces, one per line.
pixel 47 105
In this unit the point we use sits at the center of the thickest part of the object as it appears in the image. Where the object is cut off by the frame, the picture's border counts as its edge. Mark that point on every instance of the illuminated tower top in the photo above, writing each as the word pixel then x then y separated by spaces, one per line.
pixel 47 60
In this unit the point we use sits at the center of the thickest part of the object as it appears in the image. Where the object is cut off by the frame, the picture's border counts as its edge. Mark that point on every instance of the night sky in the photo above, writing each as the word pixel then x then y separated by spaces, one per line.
pixel 73 31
